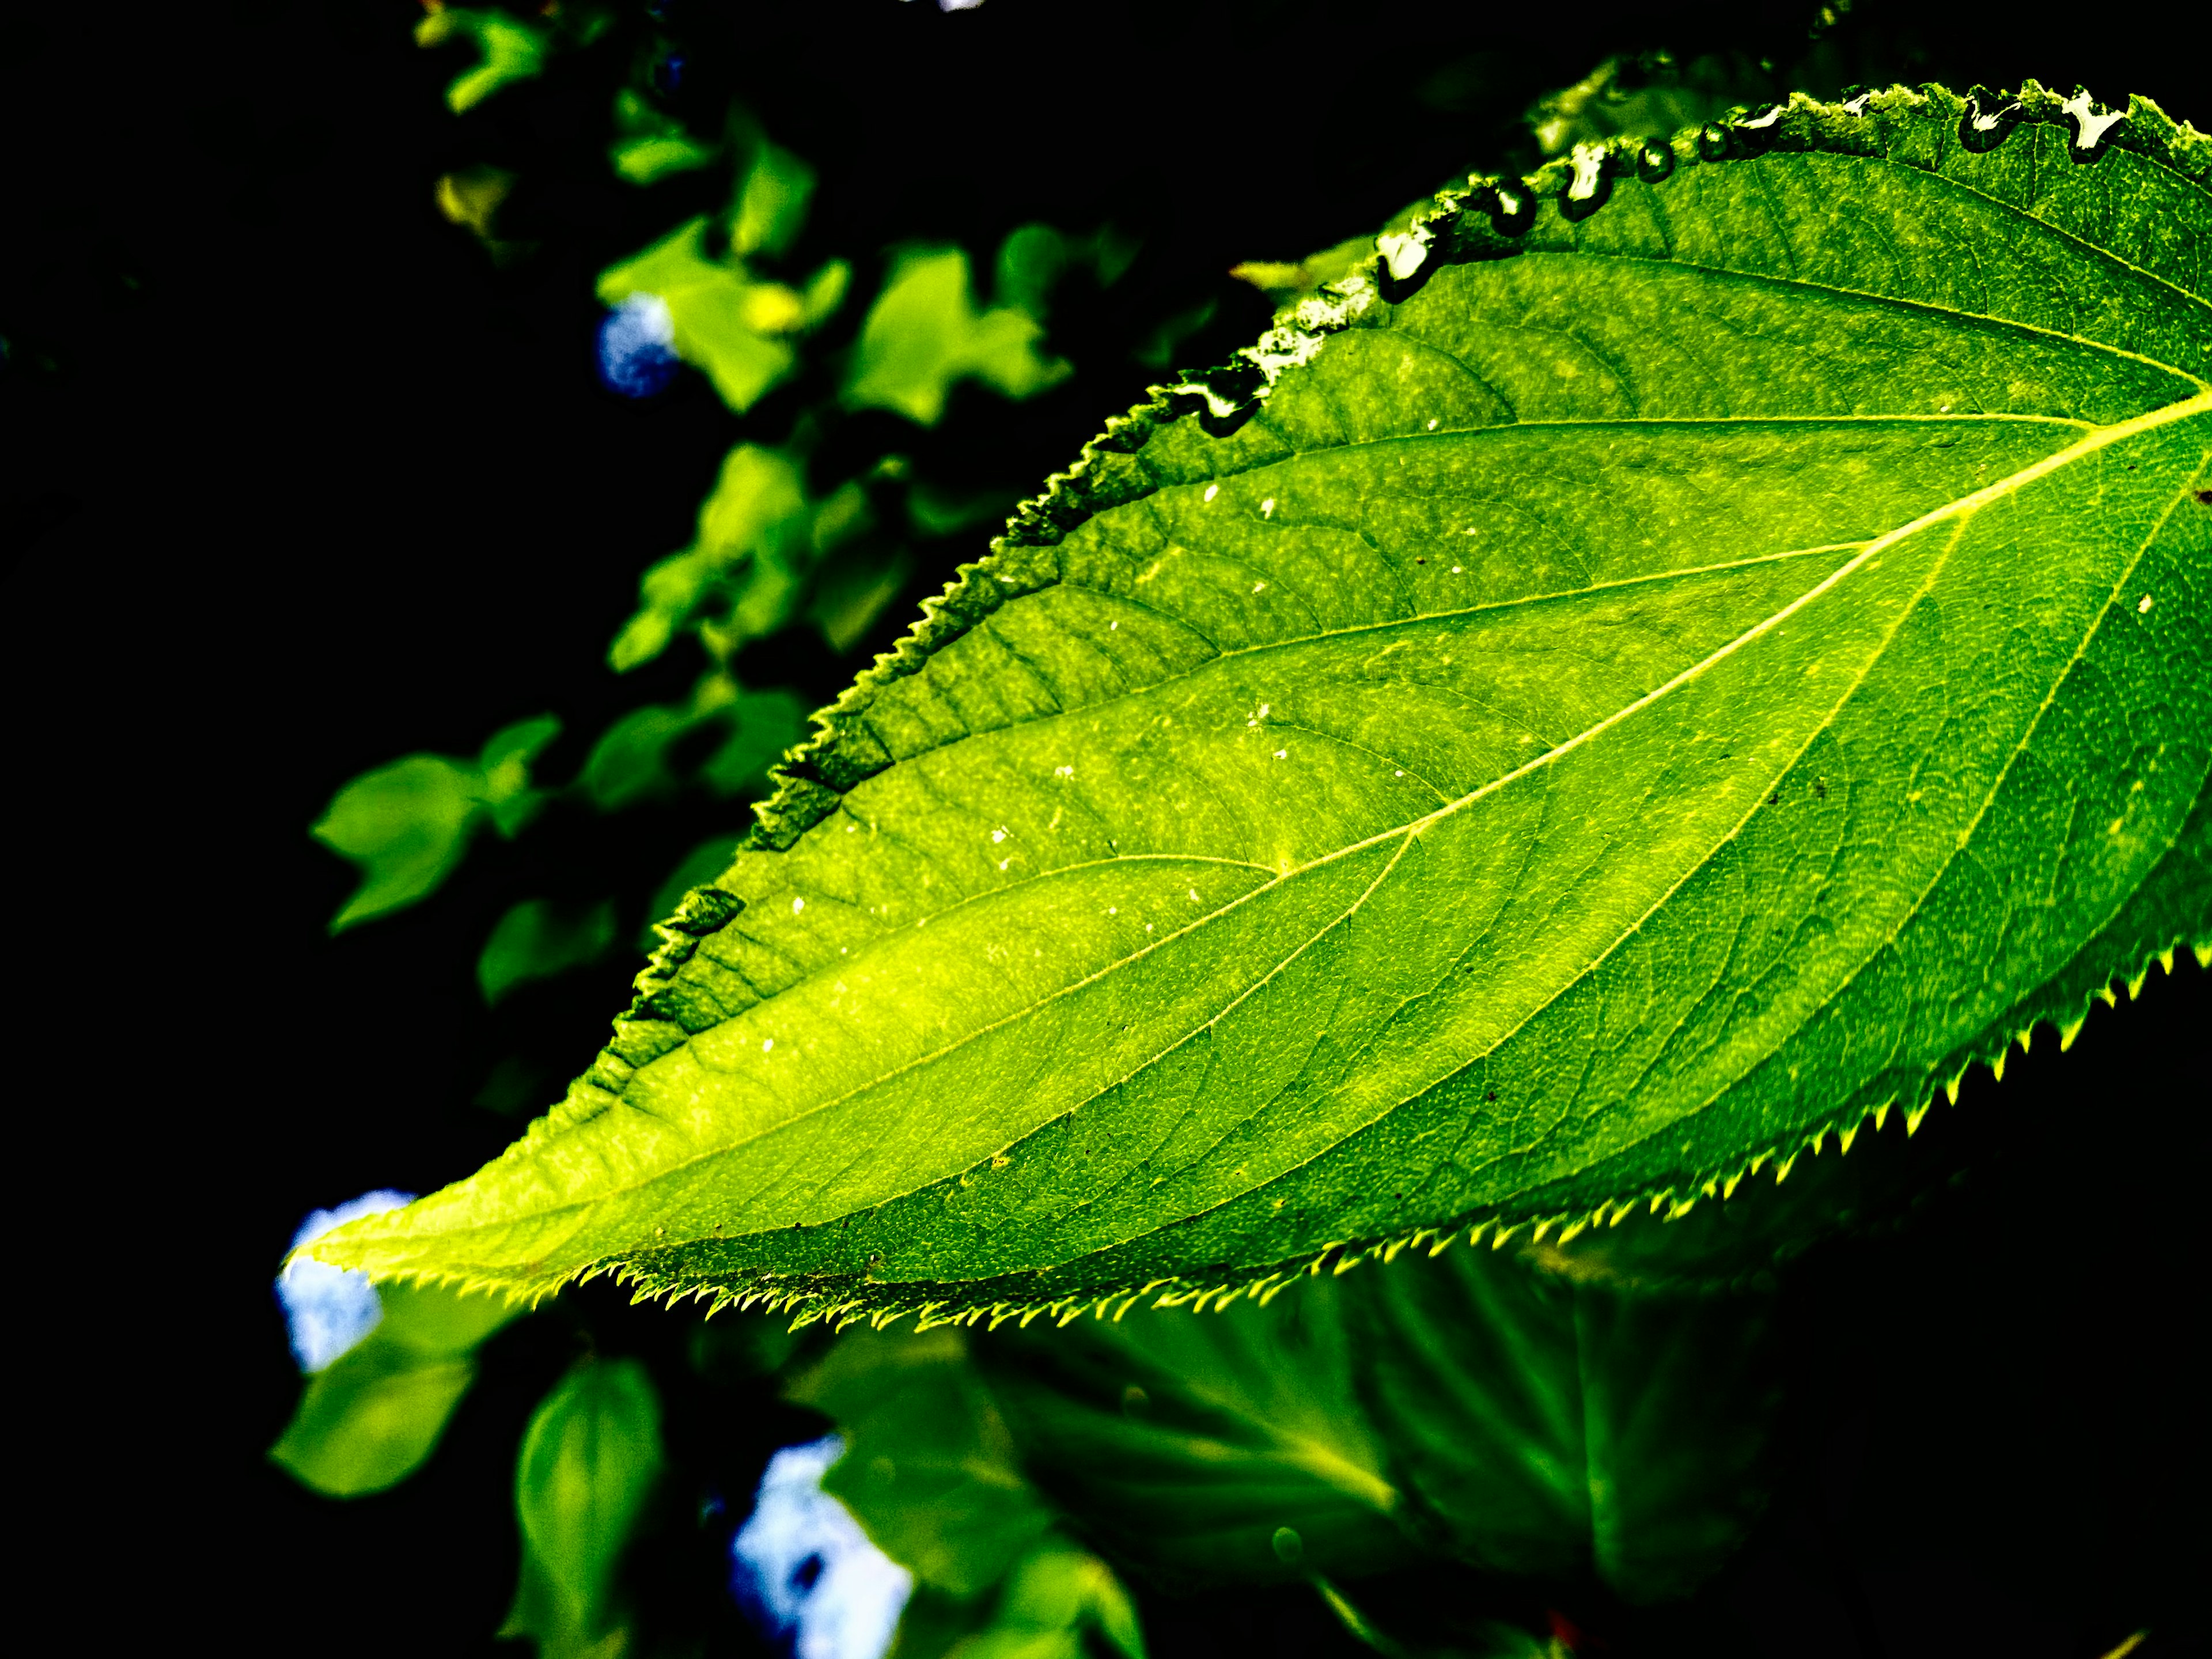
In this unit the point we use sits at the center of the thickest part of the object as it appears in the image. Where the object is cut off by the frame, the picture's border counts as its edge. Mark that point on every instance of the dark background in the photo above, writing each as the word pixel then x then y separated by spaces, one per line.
pixel 296 482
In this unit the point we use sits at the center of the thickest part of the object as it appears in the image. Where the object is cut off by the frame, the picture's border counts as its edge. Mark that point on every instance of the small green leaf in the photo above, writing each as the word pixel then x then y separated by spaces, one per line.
pixel 928 1469
pixel 630 763
pixel 849 596
pixel 649 146
pixel 538 938
pixel 371 1417
pixel 1058 1602
pixel 505 762
pixel 508 50
pixel 408 825
pixel 728 325
pixel 589 1461
pixel 924 333
pixel 766 723
pixel 1031 261
pixel 757 506
pixel 1704 646
pixel 771 202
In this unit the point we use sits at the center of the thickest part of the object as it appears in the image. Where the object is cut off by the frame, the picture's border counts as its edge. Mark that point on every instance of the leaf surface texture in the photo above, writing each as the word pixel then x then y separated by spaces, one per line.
pixel 1649 683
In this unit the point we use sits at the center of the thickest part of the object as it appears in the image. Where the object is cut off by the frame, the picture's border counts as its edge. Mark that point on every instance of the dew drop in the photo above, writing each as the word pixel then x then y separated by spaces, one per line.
pixel 2089 126
pixel 1986 122
pixel 1655 162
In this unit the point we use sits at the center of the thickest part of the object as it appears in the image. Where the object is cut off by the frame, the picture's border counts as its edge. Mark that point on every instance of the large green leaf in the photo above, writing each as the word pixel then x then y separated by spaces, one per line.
pixel 1700 648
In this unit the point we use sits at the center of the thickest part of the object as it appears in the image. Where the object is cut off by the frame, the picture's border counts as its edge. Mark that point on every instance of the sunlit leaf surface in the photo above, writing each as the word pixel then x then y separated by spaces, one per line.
pixel 1687 656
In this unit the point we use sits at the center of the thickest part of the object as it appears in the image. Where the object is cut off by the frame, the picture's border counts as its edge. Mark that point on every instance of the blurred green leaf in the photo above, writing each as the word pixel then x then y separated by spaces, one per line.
pixel 825 292
pixel 1157 349
pixel 630 762
pixel 508 50
pixel 758 502
pixel 1468 1405
pixel 589 1461
pixel 1057 1602
pixel 851 592
pixel 929 1469
pixel 1547 1426
pixel 1647 96
pixel 539 937
pixel 923 334
pixel 370 1418
pixel 726 324
pixel 1185 1441
pixel 767 723
pixel 1031 261
pixel 935 511
pixel 407 824
pixel 771 208
pixel 650 145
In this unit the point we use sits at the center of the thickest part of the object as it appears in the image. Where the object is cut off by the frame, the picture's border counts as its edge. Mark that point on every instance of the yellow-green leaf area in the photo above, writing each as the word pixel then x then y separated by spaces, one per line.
pixel 1647 685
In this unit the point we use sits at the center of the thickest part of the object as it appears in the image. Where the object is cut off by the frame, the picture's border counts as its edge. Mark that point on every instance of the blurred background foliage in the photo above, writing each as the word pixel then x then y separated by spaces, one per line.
pixel 515 419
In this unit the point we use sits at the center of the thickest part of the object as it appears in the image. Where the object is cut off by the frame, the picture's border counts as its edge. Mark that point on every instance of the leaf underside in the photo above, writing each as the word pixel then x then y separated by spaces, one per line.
pixel 1702 646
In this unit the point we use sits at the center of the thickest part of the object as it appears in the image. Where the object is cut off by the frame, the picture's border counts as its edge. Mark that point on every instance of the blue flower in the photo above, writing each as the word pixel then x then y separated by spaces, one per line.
pixel 330 1310
pixel 637 347
pixel 806 1572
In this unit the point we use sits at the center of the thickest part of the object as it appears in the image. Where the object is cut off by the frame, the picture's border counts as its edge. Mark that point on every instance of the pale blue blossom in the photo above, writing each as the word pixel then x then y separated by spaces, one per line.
pixel 330 1310
pixel 805 1570
pixel 637 346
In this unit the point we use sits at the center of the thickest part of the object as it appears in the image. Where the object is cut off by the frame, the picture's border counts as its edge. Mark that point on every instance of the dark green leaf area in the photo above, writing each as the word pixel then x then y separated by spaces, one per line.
pixel 375 1414
pixel 929 1469
pixel 1466 1406
pixel 1179 1442
pixel 1660 691
pixel 589 1461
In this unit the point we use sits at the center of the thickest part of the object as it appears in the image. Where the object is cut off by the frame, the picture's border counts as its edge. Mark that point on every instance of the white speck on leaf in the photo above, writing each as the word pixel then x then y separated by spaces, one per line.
pixel 797 905
pixel 1194 896
pixel 1258 586
pixel 1432 424
pixel 2142 605
pixel 1212 490
pixel 1267 508
pixel 1063 771
pixel 767 1043
pixel 997 835
pixel 1282 754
